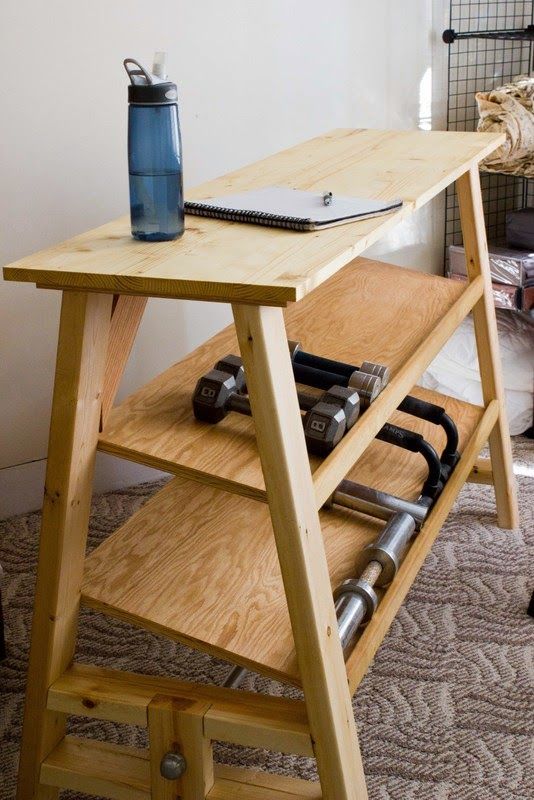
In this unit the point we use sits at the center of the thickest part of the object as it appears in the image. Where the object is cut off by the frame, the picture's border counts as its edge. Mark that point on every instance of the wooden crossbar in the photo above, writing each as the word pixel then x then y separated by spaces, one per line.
pixel 238 717
pixel 123 773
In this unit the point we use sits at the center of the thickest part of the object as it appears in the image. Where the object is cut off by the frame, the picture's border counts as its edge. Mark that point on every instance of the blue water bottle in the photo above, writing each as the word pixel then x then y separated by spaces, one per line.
pixel 154 153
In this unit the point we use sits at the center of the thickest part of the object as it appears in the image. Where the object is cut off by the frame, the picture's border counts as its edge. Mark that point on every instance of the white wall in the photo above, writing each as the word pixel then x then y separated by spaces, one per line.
pixel 253 77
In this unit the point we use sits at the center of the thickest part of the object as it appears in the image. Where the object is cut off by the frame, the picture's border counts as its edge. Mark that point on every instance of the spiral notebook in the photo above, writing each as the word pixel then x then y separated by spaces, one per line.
pixel 281 207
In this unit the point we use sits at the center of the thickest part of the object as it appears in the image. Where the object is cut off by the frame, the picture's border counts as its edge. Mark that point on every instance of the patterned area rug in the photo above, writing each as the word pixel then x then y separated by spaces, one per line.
pixel 445 713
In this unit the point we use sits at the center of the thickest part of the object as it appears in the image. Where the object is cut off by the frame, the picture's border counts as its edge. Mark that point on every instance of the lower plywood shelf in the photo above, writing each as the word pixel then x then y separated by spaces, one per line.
pixel 200 566
pixel 123 773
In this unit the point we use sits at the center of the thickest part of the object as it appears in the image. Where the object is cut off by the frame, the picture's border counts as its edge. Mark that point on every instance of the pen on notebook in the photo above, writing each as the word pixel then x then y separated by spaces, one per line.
pixel 327 198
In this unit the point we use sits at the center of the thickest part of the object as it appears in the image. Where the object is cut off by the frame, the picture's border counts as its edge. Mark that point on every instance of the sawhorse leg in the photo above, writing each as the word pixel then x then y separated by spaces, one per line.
pixel 82 346
pixel 126 317
pixel 476 253
pixel 299 542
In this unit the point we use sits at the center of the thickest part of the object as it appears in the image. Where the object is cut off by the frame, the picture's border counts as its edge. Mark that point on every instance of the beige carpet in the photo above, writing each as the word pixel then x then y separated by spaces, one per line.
pixel 446 711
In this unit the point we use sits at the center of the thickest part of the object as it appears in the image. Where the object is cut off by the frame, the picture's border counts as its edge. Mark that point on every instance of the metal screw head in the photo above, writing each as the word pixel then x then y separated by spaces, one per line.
pixel 172 766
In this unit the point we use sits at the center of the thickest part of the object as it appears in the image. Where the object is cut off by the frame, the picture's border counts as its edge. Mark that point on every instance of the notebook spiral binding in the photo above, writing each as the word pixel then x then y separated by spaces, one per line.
pixel 255 217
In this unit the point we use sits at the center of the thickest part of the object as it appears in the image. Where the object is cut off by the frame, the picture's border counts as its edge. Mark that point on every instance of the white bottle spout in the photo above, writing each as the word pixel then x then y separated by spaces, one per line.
pixel 159 68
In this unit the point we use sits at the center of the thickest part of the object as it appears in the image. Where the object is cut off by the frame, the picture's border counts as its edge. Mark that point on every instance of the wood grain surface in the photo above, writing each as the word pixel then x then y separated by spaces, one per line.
pixel 122 773
pixel 245 718
pixel 301 552
pixel 368 311
pixel 79 378
pixel 90 766
pixel 200 565
pixel 232 262
pixel 485 323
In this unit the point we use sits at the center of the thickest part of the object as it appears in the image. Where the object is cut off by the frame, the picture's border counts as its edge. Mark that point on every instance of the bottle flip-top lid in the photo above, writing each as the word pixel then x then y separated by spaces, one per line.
pixel 150 88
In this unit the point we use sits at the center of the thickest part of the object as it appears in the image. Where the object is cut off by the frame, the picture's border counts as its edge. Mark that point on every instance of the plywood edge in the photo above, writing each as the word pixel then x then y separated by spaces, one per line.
pixel 173 468
pixel 276 294
pixel 190 641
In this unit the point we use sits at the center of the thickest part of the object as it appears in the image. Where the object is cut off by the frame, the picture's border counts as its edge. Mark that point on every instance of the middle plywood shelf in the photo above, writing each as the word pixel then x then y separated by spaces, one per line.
pixel 367 311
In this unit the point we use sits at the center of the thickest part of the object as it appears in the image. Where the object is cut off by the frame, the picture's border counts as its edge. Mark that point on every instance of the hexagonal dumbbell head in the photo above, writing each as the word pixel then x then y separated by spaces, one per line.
pixel 367 386
pixel 324 426
pixel 234 366
pixel 212 395
pixel 379 370
pixel 345 398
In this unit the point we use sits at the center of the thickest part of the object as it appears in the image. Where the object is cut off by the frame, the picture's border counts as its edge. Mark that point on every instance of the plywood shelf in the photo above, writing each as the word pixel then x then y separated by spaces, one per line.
pixel 200 566
pixel 368 311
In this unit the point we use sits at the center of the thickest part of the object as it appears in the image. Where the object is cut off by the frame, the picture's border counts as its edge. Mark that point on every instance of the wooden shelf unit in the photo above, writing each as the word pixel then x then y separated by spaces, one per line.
pixel 203 562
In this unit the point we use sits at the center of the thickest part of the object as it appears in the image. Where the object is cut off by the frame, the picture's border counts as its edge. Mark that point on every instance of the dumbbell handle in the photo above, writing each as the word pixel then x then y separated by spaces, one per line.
pixel 324 364
pixel 241 402
pixel 415 443
pixel 319 378
pixel 438 416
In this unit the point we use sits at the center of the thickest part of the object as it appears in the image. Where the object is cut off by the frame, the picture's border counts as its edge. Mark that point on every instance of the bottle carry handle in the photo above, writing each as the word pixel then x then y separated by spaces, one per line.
pixel 140 71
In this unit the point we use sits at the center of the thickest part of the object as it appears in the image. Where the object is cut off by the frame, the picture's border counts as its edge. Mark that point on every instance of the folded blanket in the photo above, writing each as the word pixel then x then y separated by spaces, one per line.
pixel 510 110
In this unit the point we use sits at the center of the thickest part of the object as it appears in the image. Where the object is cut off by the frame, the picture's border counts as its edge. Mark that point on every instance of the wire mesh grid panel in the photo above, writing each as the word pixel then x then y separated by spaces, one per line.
pixel 481 65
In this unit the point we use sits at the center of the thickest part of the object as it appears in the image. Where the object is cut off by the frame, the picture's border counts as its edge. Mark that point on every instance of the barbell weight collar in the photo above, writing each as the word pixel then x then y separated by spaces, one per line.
pixel 355 604
pixel 351 610
pixel 388 550
pixel 361 588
